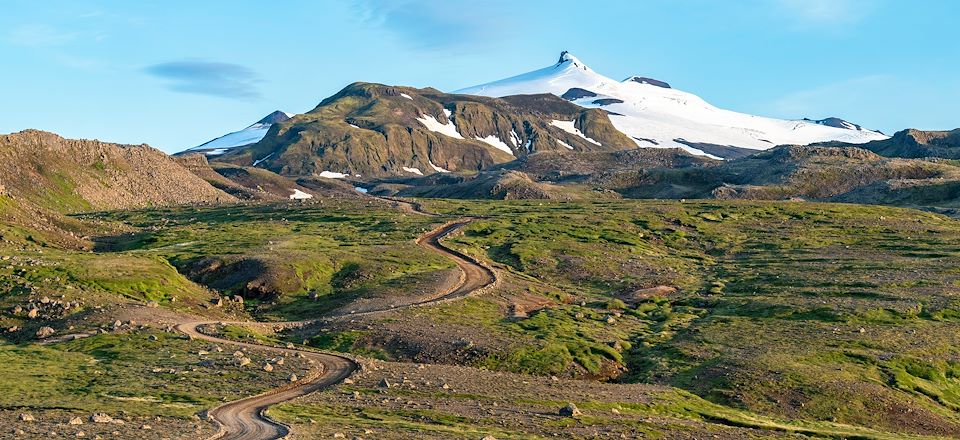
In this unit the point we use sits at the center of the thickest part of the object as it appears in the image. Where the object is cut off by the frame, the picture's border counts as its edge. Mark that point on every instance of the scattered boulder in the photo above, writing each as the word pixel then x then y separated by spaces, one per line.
pixel 518 311
pixel 293 378
pixel 33 313
pixel 101 418
pixel 75 421
pixel 244 361
pixel 267 367
pixel 24 417
pixel 570 410
pixel 641 295
pixel 384 383
pixel 45 332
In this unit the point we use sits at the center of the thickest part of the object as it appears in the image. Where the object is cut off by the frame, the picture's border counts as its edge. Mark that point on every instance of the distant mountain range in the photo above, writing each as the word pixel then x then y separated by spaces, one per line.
pixel 562 132
pixel 376 130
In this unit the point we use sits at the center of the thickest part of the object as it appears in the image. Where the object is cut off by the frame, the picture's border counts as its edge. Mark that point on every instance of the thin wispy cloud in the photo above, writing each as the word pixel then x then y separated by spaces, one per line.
pixel 849 93
pixel 433 24
pixel 39 35
pixel 826 12
pixel 210 78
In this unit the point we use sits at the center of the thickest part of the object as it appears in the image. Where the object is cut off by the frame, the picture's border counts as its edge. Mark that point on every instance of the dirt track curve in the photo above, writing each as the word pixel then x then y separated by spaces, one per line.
pixel 244 419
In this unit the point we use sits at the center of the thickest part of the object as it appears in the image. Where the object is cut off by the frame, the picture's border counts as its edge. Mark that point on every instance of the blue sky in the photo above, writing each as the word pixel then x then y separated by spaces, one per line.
pixel 174 74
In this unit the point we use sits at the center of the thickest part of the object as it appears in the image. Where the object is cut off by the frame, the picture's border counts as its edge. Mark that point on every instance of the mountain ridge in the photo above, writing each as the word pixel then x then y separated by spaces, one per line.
pixel 370 130
pixel 647 110
pixel 70 175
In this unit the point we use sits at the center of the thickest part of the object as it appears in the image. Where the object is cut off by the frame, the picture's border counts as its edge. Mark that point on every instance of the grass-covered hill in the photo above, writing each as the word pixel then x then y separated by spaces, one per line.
pixel 67 175
pixel 726 318
pixel 376 130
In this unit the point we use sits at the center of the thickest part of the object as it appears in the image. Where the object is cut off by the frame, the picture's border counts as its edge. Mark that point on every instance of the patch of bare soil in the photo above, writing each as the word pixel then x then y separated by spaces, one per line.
pixel 63 423
pixel 389 297
pixel 389 400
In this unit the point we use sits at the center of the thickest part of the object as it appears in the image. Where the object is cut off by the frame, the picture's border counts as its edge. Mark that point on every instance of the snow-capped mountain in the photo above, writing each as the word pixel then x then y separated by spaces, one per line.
pixel 655 115
pixel 247 136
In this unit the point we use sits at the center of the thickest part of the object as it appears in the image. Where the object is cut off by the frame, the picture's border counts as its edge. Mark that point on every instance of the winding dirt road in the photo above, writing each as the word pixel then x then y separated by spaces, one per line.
pixel 244 419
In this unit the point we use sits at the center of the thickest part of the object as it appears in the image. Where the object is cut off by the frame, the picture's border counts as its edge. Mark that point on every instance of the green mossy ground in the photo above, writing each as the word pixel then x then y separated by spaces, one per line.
pixel 800 313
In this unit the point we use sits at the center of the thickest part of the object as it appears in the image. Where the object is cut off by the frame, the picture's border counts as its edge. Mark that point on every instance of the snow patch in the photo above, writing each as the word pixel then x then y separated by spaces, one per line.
pixel 413 170
pixel 437 169
pixel 448 129
pixel 332 175
pixel 663 115
pixel 406 96
pixel 257 162
pixel 495 142
pixel 360 189
pixel 216 152
pixel 300 195
pixel 564 144
pixel 354 126
pixel 515 138
pixel 571 127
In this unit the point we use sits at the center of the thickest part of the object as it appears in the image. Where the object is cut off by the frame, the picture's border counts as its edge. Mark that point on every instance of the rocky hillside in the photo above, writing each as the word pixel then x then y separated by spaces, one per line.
pixel 561 175
pixel 840 174
pixel 371 130
pixel 67 175
pixel 918 143
pixel 496 184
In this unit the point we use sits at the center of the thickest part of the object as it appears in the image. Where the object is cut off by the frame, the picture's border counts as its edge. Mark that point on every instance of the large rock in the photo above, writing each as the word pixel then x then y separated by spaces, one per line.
pixel 570 410
pixel 101 418
pixel 45 332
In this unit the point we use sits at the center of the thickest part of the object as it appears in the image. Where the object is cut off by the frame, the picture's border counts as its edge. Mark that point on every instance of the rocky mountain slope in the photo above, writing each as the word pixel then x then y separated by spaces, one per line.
pixel 919 143
pixel 68 175
pixel 371 130
pixel 250 135
pixel 654 114
pixel 824 173
pixel 245 183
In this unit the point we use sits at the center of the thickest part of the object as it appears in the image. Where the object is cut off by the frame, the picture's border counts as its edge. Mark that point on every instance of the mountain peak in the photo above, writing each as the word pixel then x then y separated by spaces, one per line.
pixel 273 118
pixel 567 57
pixel 650 81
